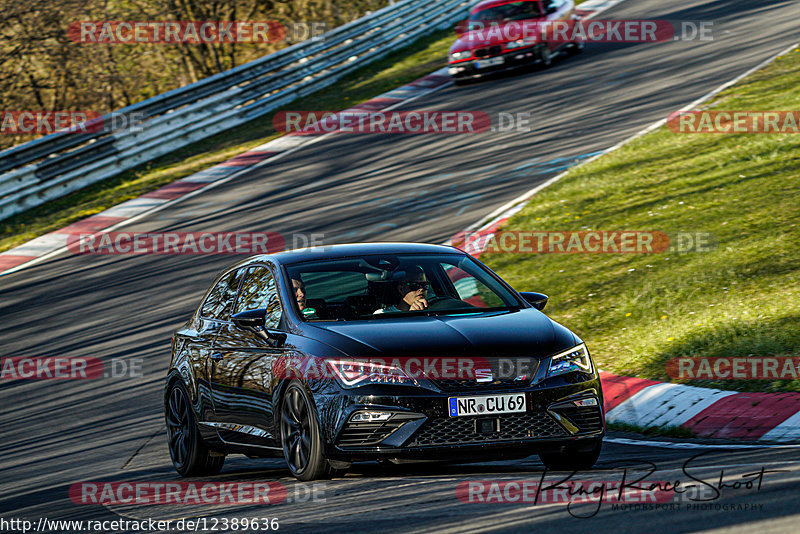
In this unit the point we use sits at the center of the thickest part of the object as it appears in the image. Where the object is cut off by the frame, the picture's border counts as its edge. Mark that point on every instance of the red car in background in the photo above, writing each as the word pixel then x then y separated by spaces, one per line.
pixel 504 34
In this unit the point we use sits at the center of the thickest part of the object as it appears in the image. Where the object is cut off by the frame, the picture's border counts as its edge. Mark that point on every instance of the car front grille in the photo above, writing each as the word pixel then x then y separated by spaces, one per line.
pixel 586 418
pixel 495 50
pixel 461 430
pixel 504 376
pixel 371 433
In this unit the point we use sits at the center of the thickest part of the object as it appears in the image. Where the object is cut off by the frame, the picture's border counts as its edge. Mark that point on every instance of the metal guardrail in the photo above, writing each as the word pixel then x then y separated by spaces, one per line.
pixel 60 163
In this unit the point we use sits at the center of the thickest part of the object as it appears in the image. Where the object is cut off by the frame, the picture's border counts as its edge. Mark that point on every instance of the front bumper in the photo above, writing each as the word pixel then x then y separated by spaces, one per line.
pixel 512 59
pixel 421 428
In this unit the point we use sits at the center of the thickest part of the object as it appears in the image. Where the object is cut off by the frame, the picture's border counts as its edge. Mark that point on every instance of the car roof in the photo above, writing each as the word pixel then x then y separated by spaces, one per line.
pixel 480 6
pixel 350 250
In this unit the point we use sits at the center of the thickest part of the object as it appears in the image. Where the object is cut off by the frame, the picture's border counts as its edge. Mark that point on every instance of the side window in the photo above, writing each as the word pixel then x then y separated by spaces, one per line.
pixel 259 291
pixel 470 289
pixel 552 5
pixel 220 301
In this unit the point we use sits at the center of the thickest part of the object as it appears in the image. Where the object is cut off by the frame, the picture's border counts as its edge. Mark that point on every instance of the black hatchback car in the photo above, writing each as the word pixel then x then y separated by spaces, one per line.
pixel 384 351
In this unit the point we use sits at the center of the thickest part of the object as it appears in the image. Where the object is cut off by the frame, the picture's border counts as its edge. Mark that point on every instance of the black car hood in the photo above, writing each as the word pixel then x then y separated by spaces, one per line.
pixel 525 332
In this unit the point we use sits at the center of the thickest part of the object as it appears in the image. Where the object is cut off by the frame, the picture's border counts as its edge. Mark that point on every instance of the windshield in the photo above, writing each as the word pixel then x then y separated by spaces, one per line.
pixel 507 12
pixel 375 287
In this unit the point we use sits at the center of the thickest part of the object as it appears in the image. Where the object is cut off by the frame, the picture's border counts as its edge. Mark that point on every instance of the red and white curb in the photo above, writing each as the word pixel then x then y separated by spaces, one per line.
pixel 54 243
pixel 709 413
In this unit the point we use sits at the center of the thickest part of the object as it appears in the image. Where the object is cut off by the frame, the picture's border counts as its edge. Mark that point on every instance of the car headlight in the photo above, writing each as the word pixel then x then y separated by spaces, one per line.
pixel 351 374
pixel 520 43
pixel 574 359
pixel 460 55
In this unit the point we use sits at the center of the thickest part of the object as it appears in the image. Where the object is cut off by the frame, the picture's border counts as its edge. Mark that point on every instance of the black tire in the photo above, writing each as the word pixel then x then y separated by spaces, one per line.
pixel 461 82
pixel 571 459
pixel 301 439
pixel 576 48
pixel 545 56
pixel 190 455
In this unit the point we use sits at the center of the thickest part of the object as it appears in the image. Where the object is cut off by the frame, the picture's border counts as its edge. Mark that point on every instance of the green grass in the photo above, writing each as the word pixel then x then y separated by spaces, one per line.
pixel 403 66
pixel 666 431
pixel 637 311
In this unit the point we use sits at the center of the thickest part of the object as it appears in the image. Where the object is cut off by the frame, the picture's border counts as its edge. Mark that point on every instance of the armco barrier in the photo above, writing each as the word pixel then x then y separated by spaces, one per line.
pixel 60 163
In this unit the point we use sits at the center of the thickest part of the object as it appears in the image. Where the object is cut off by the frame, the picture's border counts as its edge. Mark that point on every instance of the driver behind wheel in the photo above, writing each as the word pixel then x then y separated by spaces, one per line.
pixel 412 291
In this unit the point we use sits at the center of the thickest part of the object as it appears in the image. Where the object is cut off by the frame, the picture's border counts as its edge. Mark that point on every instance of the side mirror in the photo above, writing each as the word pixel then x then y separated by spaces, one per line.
pixel 250 318
pixel 255 320
pixel 537 300
pixel 461 27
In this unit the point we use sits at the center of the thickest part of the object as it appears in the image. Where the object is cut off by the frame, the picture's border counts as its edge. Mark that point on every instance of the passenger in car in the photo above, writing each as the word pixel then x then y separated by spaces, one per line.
pixel 412 291
pixel 299 292
pixel 300 295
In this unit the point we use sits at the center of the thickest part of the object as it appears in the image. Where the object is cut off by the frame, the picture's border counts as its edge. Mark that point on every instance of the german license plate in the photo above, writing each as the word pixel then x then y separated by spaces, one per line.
pixel 487 405
pixel 490 62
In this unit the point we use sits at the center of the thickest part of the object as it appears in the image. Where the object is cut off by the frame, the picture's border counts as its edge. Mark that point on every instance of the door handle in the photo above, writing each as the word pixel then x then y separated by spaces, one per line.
pixel 217 356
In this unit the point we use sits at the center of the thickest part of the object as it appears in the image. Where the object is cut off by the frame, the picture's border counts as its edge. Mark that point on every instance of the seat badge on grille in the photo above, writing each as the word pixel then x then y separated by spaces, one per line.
pixel 483 375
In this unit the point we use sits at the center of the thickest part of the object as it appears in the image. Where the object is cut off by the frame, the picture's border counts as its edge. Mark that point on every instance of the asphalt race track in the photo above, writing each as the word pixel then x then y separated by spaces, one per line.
pixel 369 188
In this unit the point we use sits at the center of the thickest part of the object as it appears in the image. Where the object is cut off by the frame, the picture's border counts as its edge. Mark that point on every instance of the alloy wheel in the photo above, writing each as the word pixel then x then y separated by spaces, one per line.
pixel 545 55
pixel 179 427
pixel 296 430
